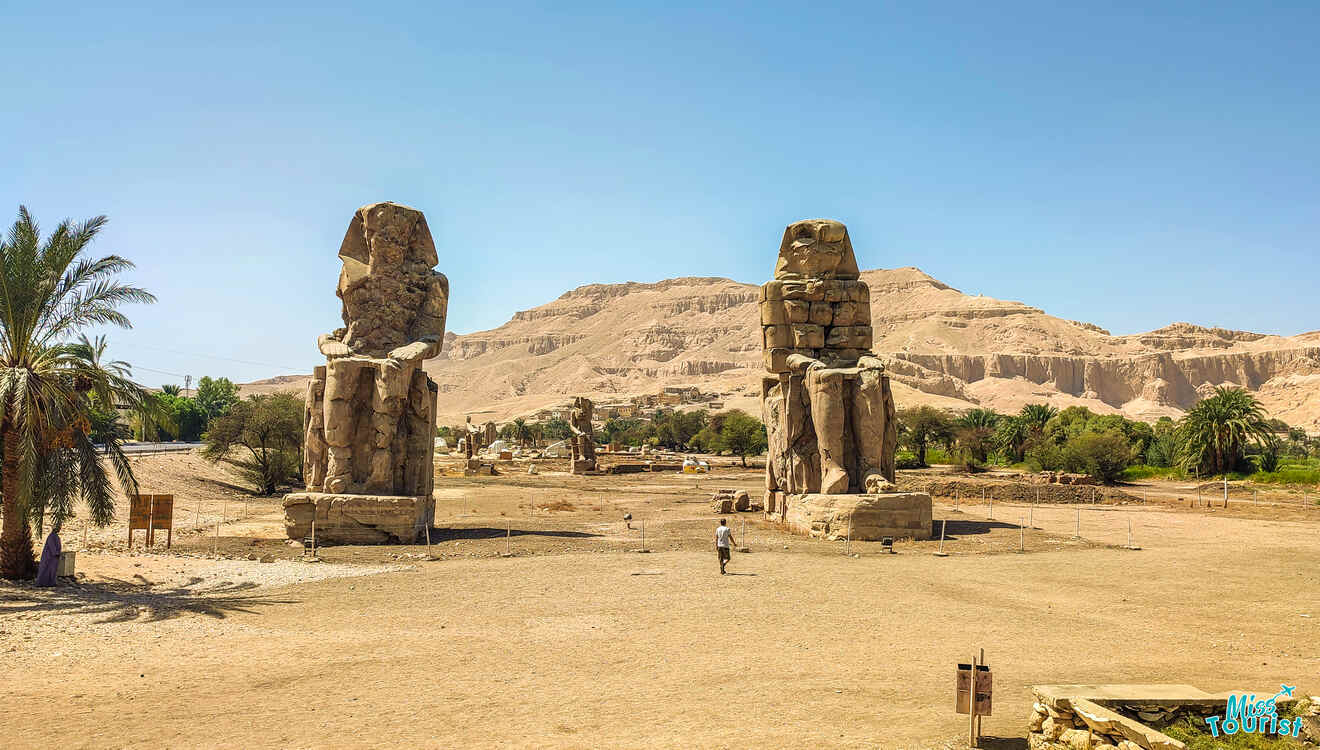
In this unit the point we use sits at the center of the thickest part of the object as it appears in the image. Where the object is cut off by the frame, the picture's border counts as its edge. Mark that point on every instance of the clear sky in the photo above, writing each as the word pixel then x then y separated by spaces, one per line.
pixel 1129 164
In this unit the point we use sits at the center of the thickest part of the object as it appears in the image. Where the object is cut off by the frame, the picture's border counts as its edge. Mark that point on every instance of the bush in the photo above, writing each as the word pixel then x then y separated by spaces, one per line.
pixel 267 433
pixel 1103 455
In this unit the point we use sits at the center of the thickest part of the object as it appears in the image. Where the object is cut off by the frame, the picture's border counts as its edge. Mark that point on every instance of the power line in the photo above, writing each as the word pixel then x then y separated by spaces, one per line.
pixel 208 356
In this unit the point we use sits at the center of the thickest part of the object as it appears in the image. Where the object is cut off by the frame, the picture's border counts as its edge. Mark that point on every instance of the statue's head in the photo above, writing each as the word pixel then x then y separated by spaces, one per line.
pixel 385 237
pixel 816 249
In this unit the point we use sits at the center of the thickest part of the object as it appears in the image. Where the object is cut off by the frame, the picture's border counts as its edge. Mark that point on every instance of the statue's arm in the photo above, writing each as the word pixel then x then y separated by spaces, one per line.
pixel 429 330
pixel 801 363
pixel 870 362
pixel 331 346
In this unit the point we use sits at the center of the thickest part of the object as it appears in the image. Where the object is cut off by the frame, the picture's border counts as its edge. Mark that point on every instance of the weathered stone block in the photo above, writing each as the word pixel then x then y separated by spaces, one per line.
pixel 851 314
pixel 849 337
pixel 778 337
pixel 821 313
pixel 776 359
pixel 773 314
pixel 357 519
pixel 799 311
pixel 807 336
pixel 871 517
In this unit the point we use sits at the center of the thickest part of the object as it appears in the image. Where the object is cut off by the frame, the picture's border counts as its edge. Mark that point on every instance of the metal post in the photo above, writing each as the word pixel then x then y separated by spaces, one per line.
pixel 1079 523
pixel 992 508
pixel 944 523
pixel 643 533
pixel 1022 537
pixel 428 541
pixel 1129 533
pixel 313 532
pixel 1225 490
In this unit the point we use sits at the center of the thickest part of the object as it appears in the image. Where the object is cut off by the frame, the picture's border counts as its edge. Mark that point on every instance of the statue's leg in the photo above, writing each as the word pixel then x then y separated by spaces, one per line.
pixel 772 412
pixel 826 390
pixel 387 402
pixel 420 438
pixel 873 421
pixel 340 389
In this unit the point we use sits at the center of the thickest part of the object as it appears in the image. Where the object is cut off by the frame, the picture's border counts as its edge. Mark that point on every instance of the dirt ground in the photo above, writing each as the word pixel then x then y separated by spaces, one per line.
pixel 578 640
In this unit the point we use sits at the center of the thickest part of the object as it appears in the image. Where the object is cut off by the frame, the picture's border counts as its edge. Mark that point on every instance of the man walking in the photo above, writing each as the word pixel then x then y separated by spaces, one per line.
pixel 723 542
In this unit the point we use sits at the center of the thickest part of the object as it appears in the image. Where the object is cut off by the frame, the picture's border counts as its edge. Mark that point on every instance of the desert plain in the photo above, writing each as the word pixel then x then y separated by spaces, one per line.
pixel 534 620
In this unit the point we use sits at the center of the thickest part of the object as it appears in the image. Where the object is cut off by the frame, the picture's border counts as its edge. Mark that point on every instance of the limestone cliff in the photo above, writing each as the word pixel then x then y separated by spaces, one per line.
pixel 611 341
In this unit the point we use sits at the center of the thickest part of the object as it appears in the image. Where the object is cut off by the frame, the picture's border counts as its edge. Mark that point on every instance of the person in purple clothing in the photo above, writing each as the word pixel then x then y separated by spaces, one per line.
pixel 50 559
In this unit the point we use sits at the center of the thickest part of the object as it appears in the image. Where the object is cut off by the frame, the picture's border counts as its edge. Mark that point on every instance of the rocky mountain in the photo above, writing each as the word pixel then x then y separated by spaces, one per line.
pixel 612 341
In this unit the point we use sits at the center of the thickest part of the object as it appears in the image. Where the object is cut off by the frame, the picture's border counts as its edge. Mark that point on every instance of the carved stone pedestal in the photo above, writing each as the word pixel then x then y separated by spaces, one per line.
pixel 864 517
pixel 358 519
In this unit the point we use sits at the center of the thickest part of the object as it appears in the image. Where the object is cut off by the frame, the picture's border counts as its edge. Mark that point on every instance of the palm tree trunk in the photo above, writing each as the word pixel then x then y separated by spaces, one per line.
pixel 16 560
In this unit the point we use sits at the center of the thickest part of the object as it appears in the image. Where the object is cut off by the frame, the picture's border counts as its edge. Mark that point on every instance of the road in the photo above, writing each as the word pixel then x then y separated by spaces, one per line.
pixel 132 448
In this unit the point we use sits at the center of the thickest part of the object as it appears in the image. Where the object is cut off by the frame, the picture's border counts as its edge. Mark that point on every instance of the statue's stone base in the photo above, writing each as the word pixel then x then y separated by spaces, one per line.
pixel 583 466
pixel 863 517
pixel 358 519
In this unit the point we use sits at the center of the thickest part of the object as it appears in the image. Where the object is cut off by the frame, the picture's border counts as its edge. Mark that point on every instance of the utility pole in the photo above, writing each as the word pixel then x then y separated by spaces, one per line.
pixel 187 383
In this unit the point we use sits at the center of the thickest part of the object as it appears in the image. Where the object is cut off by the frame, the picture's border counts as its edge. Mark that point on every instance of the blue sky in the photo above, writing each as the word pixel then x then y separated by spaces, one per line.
pixel 1127 164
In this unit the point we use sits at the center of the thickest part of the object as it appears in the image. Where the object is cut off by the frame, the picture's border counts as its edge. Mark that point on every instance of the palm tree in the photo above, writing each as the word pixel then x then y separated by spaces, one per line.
pixel 1035 416
pixel 47 294
pixel 1215 431
pixel 170 390
pixel 973 431
pixel 521 432
pixel 1011 436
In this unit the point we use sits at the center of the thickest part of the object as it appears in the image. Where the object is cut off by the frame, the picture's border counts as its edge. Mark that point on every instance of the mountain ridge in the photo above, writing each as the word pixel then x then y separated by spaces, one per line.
pixel 946 348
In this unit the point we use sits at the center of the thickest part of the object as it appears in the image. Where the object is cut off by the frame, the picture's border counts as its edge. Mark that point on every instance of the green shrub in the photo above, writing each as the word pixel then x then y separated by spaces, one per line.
pixel 1103 455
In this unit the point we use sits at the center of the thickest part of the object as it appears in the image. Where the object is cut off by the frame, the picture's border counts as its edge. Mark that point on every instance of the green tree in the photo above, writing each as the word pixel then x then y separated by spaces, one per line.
pixel 1011 436
pixel 557 429
pixel 215 396
pixel 521 432
pixel 171 390
pixel 1103 455
pixel 266 433
pixel 743 435
pixel 1213 435
pixel 923 426
pixel 48 293
pixel 1036 416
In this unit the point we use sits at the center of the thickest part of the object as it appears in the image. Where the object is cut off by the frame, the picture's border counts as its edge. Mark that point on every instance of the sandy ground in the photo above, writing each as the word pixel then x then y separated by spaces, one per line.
pixel 579 641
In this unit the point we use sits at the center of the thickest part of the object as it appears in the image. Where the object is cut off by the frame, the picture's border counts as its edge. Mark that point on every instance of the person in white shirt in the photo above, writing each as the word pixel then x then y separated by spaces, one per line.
pixel 723 542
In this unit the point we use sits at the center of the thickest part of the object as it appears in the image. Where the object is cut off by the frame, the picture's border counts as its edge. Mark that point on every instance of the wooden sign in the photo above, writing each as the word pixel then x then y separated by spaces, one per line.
pixel 151 512
pixel 984 688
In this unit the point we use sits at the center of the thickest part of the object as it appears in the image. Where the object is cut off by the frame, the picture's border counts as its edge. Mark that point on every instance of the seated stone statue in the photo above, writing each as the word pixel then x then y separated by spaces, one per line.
pixel 825 399
pixel 377 405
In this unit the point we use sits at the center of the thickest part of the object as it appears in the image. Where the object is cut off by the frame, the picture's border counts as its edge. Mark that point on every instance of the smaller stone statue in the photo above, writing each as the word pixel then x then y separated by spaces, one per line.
pixel 583 441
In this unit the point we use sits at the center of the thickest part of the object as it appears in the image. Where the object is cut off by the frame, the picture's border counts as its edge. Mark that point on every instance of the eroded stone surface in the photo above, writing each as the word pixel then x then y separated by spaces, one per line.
pixel 583 441
pixel 357 519
pixel 369 420
pixel 864 517
pixel 825 398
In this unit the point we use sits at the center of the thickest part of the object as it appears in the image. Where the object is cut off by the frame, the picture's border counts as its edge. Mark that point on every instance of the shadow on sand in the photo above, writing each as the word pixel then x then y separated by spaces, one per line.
pixel 138 600
pixel 960 527
pixel 450 534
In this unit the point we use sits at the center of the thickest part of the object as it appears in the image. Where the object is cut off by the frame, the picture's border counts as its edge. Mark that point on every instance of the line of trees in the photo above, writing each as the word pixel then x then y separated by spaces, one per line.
pixel 734 432
pixel 1228 431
